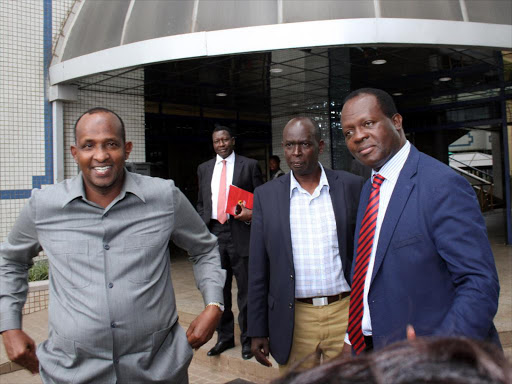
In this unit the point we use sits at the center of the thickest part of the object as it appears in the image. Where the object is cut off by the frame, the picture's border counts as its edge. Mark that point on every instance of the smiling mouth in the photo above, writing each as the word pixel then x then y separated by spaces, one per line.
pixel 102 170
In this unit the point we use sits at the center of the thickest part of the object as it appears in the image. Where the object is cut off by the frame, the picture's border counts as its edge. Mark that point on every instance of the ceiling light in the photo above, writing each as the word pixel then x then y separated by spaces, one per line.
pixel 221 94
pixel 276 70
pixel 397 94
pixel 379 62
pixel 294 104
pixel 444 79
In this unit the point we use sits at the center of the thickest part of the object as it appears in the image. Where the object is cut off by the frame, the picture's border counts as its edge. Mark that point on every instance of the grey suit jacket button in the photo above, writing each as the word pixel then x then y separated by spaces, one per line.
pixel 290 305
pixel 106 246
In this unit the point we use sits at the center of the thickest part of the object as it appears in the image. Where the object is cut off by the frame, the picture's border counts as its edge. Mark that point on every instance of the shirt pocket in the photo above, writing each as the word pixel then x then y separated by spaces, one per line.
pixel 140 257
pixel 71 263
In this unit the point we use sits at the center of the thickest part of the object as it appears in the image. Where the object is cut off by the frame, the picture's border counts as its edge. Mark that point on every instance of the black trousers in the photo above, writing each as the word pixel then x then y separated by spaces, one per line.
pixel 237 266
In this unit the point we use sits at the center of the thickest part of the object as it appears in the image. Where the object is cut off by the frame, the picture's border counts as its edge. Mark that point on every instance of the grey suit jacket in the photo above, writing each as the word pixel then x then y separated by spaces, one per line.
pixel 246 175
pixel 112 312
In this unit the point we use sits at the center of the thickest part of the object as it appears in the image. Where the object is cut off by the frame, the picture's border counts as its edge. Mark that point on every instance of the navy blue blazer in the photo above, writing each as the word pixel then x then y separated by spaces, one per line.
pixel 246 175
pixel 271 298
pixel 434 268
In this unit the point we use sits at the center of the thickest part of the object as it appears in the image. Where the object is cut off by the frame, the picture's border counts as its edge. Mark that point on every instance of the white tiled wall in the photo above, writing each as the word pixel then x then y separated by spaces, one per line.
pixel 130 108
pixel 21 93
pixel 22 149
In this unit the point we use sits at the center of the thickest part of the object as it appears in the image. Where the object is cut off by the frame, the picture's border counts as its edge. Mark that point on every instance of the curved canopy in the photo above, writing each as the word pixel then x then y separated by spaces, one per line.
pixel 104 35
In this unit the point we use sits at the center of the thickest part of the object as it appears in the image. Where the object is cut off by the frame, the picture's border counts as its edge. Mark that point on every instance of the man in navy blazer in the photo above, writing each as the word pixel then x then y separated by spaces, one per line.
pixel 301 255
pixel 233 234
pixel 431 265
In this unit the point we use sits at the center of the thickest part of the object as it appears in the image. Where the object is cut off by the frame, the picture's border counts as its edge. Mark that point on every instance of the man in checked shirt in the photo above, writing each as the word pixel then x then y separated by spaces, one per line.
pixel 301 253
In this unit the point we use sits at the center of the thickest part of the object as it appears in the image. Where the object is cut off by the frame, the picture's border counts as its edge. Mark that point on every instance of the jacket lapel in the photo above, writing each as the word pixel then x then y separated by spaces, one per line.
pixel 208 179
pixel 401 193
pixel 237 170
pixel 283 198
pixel 339 205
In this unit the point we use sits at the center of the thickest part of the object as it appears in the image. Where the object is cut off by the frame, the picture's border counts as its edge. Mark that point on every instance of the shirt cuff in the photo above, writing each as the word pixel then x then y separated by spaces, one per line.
pixel 347 339
pixel 11 321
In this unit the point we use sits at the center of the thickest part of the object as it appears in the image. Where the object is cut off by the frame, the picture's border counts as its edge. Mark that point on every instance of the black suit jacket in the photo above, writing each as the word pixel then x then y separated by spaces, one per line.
pixel 271 298
pixel 246 175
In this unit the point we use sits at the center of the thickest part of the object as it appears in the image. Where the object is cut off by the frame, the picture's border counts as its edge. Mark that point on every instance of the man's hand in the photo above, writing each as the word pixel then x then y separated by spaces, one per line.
pixel 260 350
pixel 410 332
pixel 202 328
pixel 346 351
pixel 21 349
pixel 245 215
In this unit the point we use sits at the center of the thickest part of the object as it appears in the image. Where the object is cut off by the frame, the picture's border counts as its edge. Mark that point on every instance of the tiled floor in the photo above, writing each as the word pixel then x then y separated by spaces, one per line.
pixel 229 366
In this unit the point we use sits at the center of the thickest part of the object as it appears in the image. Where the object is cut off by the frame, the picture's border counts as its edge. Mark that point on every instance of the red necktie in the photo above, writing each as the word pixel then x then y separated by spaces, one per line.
pixel 222 217
pixel 364 249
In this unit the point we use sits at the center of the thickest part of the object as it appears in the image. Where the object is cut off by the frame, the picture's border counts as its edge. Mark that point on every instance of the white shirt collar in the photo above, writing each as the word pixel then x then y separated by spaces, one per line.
pixel 230 159
pixel 295 184
pixel 391 170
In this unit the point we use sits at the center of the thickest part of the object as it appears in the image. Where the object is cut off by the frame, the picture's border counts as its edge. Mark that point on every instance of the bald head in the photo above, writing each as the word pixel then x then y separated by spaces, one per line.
pixel 307 123
pixel 302 144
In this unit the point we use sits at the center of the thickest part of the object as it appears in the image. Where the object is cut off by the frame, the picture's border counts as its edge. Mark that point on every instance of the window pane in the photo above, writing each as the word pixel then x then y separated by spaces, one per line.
pixel 98 26
pixel 307 10
pixel 158 18
pixel 225 14
pixel 422 9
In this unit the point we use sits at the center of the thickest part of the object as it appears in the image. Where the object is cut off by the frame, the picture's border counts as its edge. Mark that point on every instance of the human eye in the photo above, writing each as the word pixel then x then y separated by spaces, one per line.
pixel 112 144
pixel 347 133
pixel 87 146
pixel 288 145
pixel 306 145
pixel 368 123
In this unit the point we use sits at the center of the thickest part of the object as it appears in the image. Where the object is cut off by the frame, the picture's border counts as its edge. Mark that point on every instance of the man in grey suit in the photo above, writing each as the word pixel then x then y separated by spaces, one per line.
pixel 112 313
pixel 233 232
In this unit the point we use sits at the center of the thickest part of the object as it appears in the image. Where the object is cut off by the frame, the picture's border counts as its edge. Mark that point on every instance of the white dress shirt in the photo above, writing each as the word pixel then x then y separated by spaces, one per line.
pixel 316 254
pixel 217 170
pixel 390 171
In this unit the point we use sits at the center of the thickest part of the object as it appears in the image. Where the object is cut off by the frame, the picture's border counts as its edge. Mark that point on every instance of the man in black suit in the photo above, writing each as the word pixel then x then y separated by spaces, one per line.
pixel 301 253
pixel 233 233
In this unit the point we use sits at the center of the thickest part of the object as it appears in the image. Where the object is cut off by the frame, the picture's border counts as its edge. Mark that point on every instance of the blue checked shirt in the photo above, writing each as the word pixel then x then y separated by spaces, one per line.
pixel 316 254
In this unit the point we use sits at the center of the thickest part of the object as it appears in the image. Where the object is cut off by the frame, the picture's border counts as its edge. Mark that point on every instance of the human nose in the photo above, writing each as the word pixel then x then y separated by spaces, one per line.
pixel 296 151
pixel 101 154
pixel 359 134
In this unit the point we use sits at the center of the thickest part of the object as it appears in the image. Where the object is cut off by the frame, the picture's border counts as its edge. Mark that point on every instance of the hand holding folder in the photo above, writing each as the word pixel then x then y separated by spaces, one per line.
pixel 238 196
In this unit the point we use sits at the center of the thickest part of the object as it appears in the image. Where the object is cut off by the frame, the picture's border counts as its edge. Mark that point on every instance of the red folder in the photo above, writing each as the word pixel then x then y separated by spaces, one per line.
pixel 238 196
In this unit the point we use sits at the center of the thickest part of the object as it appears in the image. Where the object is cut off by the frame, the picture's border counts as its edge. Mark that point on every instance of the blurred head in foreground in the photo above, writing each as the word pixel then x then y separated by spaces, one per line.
pixel 420 361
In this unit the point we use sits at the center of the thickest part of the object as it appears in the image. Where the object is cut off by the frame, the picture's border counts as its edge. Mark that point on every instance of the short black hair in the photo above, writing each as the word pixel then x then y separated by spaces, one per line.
pixel 223 128
pixel 275 158
pixel 386 103
pixel 102 110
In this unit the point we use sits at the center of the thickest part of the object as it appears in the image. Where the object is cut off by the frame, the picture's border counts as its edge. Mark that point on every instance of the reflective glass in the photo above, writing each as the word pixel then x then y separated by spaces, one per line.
pixel 99 26
pixel 225 14
pixel 421 9
pixel 307 10
pixel 158 18
pixel 490 11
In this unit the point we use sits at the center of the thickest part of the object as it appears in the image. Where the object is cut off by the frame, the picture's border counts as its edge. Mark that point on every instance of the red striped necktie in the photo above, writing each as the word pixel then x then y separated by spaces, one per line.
pixel 364 249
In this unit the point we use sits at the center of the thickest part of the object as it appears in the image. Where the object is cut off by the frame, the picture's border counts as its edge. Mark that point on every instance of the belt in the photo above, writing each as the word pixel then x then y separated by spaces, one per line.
pixel 318 301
